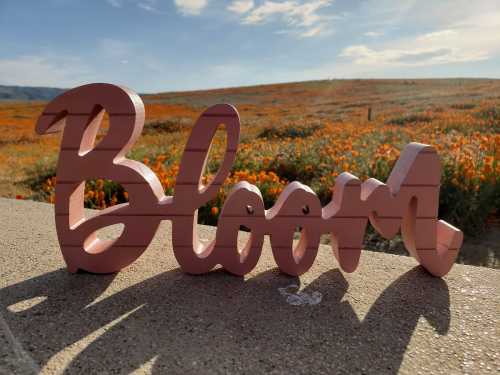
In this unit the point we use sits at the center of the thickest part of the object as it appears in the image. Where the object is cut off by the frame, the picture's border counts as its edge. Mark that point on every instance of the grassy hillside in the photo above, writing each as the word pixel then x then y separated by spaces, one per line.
pixel 340 99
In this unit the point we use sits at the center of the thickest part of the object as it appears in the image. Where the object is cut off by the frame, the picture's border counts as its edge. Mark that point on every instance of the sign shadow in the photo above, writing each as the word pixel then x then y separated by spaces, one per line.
pixel 219 323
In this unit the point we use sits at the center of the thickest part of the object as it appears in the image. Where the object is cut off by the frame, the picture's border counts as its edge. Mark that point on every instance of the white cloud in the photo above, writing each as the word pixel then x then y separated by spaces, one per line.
pixel 53 71
pixel 363 55
pixel 373 34
pixel 315 31
pixel 436 35
pixel 303 17
pixel 268 9
pixel 191 7
pixel 147 5
pixel 150 6
pixel 240 6
pixel 461 40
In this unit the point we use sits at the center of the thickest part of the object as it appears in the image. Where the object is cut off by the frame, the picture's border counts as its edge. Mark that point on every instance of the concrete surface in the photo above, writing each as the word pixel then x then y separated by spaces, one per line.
pixel 387 317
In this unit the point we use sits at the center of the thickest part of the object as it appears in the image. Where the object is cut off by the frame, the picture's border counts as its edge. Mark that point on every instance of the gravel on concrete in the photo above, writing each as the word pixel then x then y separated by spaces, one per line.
pixel 389 316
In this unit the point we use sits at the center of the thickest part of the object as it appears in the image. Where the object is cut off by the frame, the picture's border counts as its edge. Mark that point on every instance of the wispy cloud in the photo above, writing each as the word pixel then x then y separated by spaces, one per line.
pixel 306 18
pixel 115 3
pixel 46 70
pixel 150 6
pixel 314 31
pixel 147 5
pixel 470 39
pixel 191 7
pixel 373 34
pixel 348 39
pixel 114 48
pixel 363 55
pixel 240 6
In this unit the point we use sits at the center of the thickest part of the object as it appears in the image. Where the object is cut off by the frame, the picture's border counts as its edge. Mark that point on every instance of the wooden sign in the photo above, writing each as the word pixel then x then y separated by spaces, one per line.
pixel 407 202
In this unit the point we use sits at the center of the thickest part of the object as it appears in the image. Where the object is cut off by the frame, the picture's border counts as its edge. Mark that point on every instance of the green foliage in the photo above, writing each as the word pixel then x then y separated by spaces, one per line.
pixel 467 207
pixel 172 125
pixel 113 193
pixel 463 106
pixel 409 119
pixel 492 117
pixel 491 113
pixel 37 174
pixel 295 131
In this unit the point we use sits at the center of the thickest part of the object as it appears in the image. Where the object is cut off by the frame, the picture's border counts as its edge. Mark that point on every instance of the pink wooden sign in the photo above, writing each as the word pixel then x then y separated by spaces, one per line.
pixel 407 202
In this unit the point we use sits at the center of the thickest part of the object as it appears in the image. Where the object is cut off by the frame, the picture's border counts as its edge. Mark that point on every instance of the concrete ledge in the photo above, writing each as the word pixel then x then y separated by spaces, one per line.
pixel 387 317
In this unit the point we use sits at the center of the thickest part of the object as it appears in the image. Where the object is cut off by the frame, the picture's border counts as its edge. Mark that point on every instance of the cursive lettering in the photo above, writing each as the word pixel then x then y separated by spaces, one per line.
pixel 408 202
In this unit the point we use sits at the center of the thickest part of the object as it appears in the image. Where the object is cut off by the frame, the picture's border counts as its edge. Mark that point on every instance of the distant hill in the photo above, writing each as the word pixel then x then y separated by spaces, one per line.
pixel 340 96
pixel 21 93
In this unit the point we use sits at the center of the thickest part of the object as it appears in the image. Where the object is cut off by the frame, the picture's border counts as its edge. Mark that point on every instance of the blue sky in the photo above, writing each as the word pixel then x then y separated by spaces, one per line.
pixel 167 45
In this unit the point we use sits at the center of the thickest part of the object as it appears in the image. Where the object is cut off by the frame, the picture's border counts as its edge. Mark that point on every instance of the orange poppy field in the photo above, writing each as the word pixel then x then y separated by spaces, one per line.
pixel 310 132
